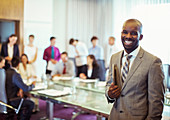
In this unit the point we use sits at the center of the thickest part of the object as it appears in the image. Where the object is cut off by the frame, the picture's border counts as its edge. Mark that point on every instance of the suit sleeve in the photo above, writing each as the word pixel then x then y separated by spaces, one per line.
pixel 2 51
pixel 17 49
pixel 155 91
pixel 17 80
pixel 108 83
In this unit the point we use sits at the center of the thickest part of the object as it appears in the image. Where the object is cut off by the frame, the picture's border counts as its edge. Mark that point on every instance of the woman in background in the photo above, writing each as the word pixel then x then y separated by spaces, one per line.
pixel 25 69
pixel 27 73
pixel 9 50
pixel 31 51
pixel 92 69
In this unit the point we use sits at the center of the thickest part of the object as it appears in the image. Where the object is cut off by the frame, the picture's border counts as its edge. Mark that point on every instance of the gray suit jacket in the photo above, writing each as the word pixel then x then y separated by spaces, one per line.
pixel 142 94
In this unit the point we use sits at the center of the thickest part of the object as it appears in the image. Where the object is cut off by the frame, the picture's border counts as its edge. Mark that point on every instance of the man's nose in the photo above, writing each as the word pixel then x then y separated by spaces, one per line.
pixel 128 35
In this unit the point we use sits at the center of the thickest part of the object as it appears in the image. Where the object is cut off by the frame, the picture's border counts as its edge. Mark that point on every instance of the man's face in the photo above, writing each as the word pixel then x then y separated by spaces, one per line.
pixel 53 41
pixel 13 40
pixel 94 42
pixel 74 43
pixel 130 36
pixel 31 39
pixel 24 59
pixel 2 63
pixel 111 41
pixel 64 58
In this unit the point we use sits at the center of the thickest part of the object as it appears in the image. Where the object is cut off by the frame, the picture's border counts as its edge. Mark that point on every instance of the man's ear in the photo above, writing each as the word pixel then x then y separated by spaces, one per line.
pixel 141 36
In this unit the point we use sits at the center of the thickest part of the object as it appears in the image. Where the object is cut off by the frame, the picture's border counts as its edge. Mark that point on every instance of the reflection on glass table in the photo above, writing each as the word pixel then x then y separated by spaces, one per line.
pixel 88 100
pixel 87 84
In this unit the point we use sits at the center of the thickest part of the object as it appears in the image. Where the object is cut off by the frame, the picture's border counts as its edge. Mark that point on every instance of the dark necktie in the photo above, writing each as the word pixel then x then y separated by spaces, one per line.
pixel 125 69
pixel 64 69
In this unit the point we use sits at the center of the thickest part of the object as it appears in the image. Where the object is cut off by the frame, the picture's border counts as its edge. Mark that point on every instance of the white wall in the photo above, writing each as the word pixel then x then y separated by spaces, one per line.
pixel 38 20
pixel 59 23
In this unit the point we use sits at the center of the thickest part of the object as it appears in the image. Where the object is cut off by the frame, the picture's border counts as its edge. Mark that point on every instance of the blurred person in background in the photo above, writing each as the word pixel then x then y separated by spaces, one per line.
pixel 10 50
pixel 92 69
pixel 31 51
pixel 51 54
pixel 81 55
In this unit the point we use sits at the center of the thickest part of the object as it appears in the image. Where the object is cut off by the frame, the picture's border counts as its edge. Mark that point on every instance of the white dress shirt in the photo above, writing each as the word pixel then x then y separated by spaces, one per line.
pixel 133 53
pixel 71 51
pixel 83 52
pixel 10 51
pixel 26 73
pixel 89 72
pixel 70 69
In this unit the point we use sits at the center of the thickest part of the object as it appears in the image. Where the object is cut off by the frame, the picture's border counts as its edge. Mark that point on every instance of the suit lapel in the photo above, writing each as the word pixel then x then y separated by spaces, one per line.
pixel 119 61
pixel 135 65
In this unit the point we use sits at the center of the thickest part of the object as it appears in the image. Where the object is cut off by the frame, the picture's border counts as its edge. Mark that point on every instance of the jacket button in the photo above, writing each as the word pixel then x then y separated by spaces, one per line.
pixel 121 111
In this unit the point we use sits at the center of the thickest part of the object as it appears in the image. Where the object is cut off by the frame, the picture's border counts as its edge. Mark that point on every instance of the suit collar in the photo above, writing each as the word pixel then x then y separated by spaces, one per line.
pixel 135 65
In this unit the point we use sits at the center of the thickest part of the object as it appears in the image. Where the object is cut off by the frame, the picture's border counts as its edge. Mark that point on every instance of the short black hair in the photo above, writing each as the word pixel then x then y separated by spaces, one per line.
pixel 71 41
pixel 51 38
pixel 1 58
pixel 64 53
pixel 94 38
pixel 31 36
pixel 15 61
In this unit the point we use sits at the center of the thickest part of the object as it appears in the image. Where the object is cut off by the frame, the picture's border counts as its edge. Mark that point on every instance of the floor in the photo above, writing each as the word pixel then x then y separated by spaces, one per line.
pixel 66 114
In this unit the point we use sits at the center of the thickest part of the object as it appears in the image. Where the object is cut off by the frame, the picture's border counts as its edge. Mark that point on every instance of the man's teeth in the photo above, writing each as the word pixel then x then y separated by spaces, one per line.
pixel 128 42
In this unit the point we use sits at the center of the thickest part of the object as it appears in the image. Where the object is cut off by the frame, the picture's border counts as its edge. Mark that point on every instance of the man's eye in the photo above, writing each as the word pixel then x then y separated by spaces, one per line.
pixel 134 33
pixel 124 32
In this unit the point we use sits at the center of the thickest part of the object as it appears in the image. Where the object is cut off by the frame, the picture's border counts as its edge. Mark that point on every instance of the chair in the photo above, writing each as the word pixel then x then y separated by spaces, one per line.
pixel 3 97
pixel 102 70
pixel 166 69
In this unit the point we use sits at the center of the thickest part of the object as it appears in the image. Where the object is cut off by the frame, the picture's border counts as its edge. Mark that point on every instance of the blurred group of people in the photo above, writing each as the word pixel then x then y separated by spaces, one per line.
pixel 77 62
pixel 18 70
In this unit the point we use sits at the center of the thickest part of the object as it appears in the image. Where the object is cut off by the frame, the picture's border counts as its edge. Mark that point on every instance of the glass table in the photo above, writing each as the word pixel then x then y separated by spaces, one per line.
pixel 90 99
pixel 95 86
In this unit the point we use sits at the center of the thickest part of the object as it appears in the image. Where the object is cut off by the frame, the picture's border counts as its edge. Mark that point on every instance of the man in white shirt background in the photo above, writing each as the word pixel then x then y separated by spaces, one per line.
pixel 81 55
pixel 110 50
pixel 64 68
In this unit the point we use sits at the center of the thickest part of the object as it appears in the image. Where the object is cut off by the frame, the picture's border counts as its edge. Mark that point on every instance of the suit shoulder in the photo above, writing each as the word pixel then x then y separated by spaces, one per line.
pixel 117 54
pixel 151 57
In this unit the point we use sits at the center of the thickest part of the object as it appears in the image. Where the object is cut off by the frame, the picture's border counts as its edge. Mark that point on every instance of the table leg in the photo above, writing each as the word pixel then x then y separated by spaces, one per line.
pixel 49 110
pixel 100 117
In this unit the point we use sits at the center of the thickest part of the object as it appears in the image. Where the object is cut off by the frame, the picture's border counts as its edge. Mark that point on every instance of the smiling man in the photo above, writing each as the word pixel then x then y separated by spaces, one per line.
pixel 139 93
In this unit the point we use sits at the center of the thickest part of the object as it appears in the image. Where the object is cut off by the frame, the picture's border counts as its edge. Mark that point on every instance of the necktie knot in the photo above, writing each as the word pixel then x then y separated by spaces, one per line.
pixel 128 56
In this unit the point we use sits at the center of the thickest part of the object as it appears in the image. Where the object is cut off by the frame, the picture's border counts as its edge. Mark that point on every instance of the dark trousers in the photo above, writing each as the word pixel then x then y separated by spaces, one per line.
pixel 26 108
pixel 48 72
pixel 81 69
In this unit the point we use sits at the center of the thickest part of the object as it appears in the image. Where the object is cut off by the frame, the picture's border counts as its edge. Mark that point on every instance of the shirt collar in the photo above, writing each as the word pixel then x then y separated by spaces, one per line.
pixel 15 69
pixel 133 53
pixel 10 46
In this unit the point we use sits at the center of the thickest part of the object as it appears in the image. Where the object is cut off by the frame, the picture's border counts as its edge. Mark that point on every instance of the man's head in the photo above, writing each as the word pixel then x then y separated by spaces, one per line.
pixel 73 42
pixel 31 38
pixel 53 41
pixel 12 39
pixel 94 40
pixel 131 34
pixel 64 57
pixel 111 40
pixel 2 62
pixel 15 62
